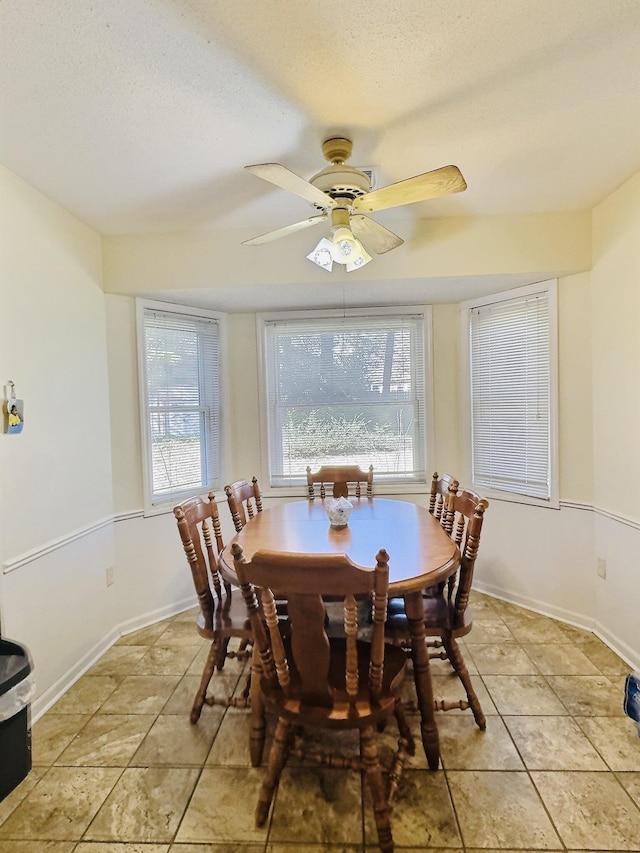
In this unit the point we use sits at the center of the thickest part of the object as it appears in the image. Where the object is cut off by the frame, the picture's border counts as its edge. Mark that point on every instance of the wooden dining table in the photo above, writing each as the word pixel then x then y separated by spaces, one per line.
pixel 421 554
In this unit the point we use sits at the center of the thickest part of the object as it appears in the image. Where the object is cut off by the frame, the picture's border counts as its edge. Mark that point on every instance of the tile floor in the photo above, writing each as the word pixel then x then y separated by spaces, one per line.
pixel 118 768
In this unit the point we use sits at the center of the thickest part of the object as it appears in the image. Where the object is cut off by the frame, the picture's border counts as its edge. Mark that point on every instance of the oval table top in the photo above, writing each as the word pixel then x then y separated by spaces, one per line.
pixel 420 552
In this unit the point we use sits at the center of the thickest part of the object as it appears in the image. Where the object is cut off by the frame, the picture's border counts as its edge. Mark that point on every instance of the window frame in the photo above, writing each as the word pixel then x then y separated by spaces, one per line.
pixel 550 287
pixel 399 486
pixel 155 506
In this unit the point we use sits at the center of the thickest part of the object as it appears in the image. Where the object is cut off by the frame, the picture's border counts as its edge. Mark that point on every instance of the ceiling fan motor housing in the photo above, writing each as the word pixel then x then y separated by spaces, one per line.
pixel 342 181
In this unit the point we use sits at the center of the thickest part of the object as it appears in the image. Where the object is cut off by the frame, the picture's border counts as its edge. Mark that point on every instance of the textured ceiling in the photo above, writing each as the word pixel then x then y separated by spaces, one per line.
pixel 138 115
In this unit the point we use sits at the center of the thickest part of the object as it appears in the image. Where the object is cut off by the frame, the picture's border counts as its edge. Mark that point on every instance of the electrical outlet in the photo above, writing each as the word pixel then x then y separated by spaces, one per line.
pixel 602 567
pixel 110 577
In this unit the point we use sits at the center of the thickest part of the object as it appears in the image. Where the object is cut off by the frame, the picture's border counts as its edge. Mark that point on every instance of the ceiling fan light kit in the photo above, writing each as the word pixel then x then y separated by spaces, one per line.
pixel 344 192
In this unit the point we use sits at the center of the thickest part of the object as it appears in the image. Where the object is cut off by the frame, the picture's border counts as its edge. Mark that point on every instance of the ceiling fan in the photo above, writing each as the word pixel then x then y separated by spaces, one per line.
pixel 342 194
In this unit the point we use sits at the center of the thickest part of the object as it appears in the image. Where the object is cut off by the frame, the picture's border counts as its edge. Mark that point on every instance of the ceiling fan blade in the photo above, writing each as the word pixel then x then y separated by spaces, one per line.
pixel 442 181
pixel 287 229
pixel 288 180
pixel 374 235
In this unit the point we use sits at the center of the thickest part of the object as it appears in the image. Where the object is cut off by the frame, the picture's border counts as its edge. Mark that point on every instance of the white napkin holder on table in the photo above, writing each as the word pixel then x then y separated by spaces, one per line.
pixel 338 511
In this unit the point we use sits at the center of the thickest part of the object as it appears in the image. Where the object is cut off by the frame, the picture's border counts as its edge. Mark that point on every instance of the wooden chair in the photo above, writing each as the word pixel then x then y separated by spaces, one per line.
pixel 309 679
pixel 441 490
pixel 340 476
pixel 447 614
pixel 221 615
pixel 244 501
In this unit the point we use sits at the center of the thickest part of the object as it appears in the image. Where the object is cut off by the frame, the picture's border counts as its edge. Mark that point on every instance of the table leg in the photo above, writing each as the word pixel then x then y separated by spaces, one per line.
pixel 422 678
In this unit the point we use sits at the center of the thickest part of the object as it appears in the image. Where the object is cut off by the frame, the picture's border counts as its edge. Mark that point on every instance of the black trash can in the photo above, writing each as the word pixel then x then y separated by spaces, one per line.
pixel 16 689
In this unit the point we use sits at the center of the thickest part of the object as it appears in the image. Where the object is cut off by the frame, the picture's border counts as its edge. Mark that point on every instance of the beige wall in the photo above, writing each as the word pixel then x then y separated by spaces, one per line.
pixel 547 244
pixel 574 389
pixel 55 493
pixel 615 287
pixel 53 346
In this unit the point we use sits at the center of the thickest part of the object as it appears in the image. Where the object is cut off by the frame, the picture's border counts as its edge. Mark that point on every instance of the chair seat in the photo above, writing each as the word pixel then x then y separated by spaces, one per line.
pixel 340 711
pixel 439 616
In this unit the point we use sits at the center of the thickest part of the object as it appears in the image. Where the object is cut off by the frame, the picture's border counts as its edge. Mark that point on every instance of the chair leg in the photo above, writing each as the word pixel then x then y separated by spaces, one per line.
pixel 457 662
pixel 222 652
pixel 207 674
pixel 257 723
pixel 277 758
pixel 373 773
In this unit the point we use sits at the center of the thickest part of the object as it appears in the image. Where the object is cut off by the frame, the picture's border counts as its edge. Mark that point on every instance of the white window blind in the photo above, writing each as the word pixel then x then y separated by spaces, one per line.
pixel 181 402
pixel 346 390
pixel 510 395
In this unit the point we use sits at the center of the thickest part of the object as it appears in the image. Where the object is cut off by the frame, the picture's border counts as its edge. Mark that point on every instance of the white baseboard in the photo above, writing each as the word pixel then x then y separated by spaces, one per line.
pixel 579 620
pixel 624 651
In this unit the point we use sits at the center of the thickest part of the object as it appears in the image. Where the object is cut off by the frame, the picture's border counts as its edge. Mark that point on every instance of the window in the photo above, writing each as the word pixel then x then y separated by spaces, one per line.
pixel 345 387
pixel 512 345
pixel 180 400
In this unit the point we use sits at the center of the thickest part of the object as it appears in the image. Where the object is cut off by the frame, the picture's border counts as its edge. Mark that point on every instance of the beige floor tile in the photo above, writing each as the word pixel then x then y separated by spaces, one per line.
pixel 604 658
pixel 500 810
pixel 631 783
pixel 110 847
pixel 317 805
pixel 502 850
pixel 442 667
pixel 232 665
pixel 488 630
pixel 145 805
pixel 53 733
pixel 535 629
pixel 140 694
pixel 506 609
pixel 451 689
pixel 188 615
pixel 165 660
pixel 320 848
pixel 227 847
pixel 615 738
pixel 180 633
pixel 423 814
pixel 87 694
pixel 573 633
pixel 588 695
pixel 118 660
pixel 43 846
pixel 12 800
pixel 61 805
pixel 373 848
pixel 464 747
pixel 591 811
pixel 231 746
pixel 213 814
pixel 173 740
pixel 553 743
pixel 560 659
pixel 523 694
pixel 481 602
pixel 144 637
pixel 182 698
pixel 503 659
pixel 108 740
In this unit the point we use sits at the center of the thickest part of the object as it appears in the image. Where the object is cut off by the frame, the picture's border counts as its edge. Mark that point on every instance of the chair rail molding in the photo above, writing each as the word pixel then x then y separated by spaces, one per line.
pixel 54 545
